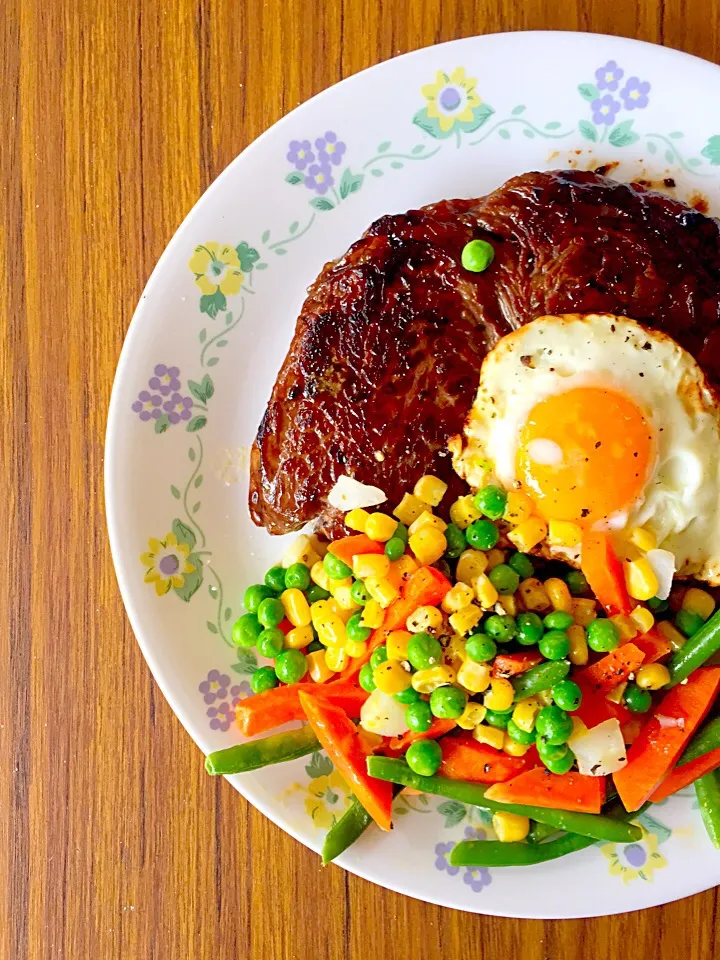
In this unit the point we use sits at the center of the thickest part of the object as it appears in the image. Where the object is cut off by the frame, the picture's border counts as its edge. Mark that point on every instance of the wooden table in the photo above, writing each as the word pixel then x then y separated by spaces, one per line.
pixel 113 842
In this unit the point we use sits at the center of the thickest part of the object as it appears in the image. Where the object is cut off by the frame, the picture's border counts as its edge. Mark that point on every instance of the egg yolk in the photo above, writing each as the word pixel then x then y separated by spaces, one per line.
pixel 584 455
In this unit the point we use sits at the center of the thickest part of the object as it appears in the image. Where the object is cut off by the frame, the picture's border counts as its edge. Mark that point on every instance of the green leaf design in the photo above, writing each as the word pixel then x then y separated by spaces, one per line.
pixel 266 236
pixel 377 173
pixel 207 386
pixel 162 424
pixel 588 130
pixel 191 454
pixel 505 134
pixel 227 614
pixel 321 203
pixel 212 361
pixel 196 507
pixel 198 480
pixel 516 111
pixel 676 135
pixel 453 811
pixel 211 626
pixel 652 825
pixel 396 165
pixel 202 336
pixel 669 156
pixel 529 133
pixel 430 125
pixel 196 390
pixel 184 534
pixel 622 135
pixel 694 162
pixel 588 91
pixel 480 113
pixel 197 423
pixel 711 150
pixel 224 343
pixel 400 811
pixel 174 491
pixel 247 661
pixel 213 590
pixel 384 146
pixel 293 226
pixel 418 149
pixel 652 147
pixel 280 251
pixel 247 255
pixel 228 319
pixel 192 581
pixel 350 182
pixel 213 303
pixel 319 766
pixel 294 178
pixel 553 125
pixel 261 266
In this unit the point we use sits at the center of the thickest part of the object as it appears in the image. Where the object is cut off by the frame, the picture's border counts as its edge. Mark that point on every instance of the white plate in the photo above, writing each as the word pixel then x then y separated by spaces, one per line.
pixel 212 329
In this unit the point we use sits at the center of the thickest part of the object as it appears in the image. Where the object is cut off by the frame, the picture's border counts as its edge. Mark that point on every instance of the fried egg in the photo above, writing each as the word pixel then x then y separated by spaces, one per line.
pixel 604 423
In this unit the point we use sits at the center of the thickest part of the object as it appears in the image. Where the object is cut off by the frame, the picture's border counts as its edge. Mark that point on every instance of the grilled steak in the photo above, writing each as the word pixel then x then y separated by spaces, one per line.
pixel 386 356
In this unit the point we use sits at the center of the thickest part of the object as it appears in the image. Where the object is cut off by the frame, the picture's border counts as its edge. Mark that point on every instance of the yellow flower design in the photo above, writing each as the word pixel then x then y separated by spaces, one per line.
pixel 328 799
pixel 635 860
pixel 216 268
pixel 167 564
pixel 451 99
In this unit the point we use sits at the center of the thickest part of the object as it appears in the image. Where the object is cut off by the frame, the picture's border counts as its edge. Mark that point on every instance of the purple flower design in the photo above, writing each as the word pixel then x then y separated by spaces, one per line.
pixel 222 717
pixel 605 109
pixel 471 833
pixel 330 149
pixel 178 408
pixel 319 178
pixel 441 858
pixel 165 380
pixel 240 692
pixel 477 878
pixel 300 154
pixel 609 76
pixel 635 94
pixel 148 405
pixel 215 686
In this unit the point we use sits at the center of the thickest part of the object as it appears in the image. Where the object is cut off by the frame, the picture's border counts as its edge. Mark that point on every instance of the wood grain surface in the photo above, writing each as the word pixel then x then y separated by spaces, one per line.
pixel 113 842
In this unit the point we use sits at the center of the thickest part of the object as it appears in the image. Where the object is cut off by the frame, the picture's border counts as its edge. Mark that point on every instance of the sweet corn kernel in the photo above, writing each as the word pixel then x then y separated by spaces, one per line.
pixel 528 534
pixel 336 659
pixel 475 677
pixel 533 595
pixel 578 653
pixel 317 667
pixel 507 604
pixel 616 694
pixel 301 550
pixel 514 749
pixel 640 579
pixel 428 544
pixel 518 508
pixel 456 650
pixel 579 727
pixel 409 509
pixel 331 632
pixel 404 566
pixel 699 601
pixel 472 715
pixel 673 636
pixel 643 539
pixel 558 594
pixel 427 519
pixel 299 637
pixel 430 489
pixel 653 676
pixel 425 619
pixel 380 527
pixel 296 607
pixel 485 592
pixel 464 512
pixel 510 827
pixel 372 615
pixel 489 735
pixel 356 519
pixel 471 564
pixel 425 681
pixel 320 611
pixel 382 590
pixel 336 585
pixel 584 611
pixel 370 565
pixel 391 677
pixel 626 626
pixel 397 644
pixel 464 620
pixel 562 533
pixel 525 713
pixel 344 598
pixel 643 619
pixel 495 557
pixel 545 698
pixel 318 575
pixel 461 595
pixel 500 696
pixel 356 648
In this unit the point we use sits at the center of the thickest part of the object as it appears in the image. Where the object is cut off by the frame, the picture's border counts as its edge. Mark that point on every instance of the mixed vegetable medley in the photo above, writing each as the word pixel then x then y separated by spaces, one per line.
pixel 443 657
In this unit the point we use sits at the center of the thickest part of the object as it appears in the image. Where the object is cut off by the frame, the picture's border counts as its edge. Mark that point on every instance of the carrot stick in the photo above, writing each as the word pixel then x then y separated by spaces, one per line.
pixel 275 707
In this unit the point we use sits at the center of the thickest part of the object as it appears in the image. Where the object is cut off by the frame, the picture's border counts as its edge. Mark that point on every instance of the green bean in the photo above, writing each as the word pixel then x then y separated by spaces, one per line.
pixel 698 648
pixel 708 739
pixel 541 677
pixel 261 753
pixel 707 789
pixel 540 832
pixel 586 824
pixel 346 831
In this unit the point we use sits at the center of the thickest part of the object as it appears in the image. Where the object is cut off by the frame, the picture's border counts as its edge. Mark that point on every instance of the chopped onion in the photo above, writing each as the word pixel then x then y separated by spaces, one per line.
pixel 663 565
pixel 382 714
pixel 670 721
pixel 350 494
pixel 600 750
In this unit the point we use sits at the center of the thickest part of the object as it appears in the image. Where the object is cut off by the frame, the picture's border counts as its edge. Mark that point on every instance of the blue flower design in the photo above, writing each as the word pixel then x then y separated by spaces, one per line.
pixel 442 851
pixel 319 178
pixel 330 149
pixel 635 94
pixel 477 878
pixel 605 109
pixel 300 154
pixel 609 76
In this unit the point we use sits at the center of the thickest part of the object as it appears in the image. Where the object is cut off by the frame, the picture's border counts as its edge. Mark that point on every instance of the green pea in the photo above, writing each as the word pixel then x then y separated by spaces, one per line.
pixel 558 620
pixel 275 578
pixel 378 656
pixel 504 579
pixel 359 593
pixel 315 593
pixel 491 501
pixel 554 726
pixel 550 753
pixel 501 627
pixel 602 636
pixel 401 531
pixel 246 630
pixel 424 651
pixel 688 622
pixel 424 757
pixel 270 612
pixel 480 648
pixel 448 703
pixel 482 535
pixel 577 583
pixel 313 646
pixel 355 631
pixel 567 695
pixel 418 716
pixel 496 719
pixel 263 679
pixel 554 645
pixel 291 666
pixel 477 255
pixel 519 735
pixel 365 677
pixel 297 576
pixel 255 595
pixel 408 695
pixel 529 629
pixel 456 542
pixel 394 548
pixel 335 568
pixel 522 565
pixel 636 699
pixel 270 642
pixel 560 763
pixel 657 605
